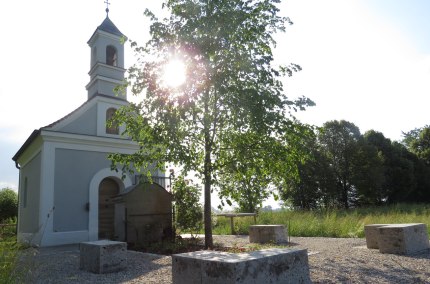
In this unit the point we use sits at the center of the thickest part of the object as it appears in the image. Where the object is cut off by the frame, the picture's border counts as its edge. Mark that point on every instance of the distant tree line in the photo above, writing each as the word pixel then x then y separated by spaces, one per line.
pixel 347 169
pixel 342 168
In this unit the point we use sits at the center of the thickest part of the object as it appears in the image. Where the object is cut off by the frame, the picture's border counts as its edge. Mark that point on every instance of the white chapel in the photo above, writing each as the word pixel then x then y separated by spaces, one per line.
pixel 64 173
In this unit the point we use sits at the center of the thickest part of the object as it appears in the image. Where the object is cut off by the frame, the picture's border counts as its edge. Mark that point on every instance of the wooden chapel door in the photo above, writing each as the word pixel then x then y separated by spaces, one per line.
pixel 107 189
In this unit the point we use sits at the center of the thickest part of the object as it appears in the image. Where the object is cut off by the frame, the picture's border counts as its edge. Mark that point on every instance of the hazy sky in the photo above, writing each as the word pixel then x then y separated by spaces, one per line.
pixel 365 61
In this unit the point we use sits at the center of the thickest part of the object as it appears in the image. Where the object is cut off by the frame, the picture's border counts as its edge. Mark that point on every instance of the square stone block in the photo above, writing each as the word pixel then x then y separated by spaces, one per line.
pixel 403 238
pixel 267 234
pixel 103 256
pixel 372 234
pixel 274 266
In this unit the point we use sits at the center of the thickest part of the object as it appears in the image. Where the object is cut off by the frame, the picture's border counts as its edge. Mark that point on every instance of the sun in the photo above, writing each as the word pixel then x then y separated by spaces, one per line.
pixel 174 73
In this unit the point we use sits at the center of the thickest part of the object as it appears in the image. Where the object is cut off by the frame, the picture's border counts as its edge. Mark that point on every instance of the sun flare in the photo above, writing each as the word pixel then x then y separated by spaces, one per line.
pixel 174 73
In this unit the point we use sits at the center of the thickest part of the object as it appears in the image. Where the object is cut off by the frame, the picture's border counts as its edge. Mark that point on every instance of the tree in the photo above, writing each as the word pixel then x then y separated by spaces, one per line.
pixel 304 193
pixel 418 142
pixel 8 204
pixel 316 186
pixel 356 165
pixel 247 187
pixel 232 91
pixel 339 143
pixel 344 170
pixel 264 165
pixel 368 175
pixel 398 167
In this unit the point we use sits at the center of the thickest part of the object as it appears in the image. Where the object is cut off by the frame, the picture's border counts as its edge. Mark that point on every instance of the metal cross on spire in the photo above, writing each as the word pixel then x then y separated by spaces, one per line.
pixel 107 7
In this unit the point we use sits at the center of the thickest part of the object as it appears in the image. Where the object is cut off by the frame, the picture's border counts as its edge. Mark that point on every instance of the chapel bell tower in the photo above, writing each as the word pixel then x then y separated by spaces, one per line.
pixel 107 60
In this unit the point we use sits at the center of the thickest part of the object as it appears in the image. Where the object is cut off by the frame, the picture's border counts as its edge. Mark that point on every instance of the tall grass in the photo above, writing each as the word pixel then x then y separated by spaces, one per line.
pixel 7 254
pixel 330 223
pixel 9 250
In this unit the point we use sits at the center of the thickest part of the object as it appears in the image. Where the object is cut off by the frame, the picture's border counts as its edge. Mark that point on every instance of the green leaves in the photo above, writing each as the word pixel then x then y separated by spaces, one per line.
pixel 256 165
pixel 8 204
pixel 347 169
pixel 418 142
pixel 188 210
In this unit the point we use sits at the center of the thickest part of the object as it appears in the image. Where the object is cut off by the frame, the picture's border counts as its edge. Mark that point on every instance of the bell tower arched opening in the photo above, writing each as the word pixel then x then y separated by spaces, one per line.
pixel 111 56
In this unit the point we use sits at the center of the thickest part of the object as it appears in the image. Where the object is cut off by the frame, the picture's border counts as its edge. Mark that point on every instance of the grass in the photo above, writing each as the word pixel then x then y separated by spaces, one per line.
pixel 9 249
pixel 330 223
pixel 8 255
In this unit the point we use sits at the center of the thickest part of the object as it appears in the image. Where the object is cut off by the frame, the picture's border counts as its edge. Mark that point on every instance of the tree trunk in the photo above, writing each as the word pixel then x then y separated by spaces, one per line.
pixel 208 181
pixel 345 195
pixel 208 211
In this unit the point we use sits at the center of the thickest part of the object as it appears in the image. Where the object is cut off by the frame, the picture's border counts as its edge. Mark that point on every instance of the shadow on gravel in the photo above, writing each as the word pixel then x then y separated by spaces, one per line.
pixel 61 265
pixel 394 269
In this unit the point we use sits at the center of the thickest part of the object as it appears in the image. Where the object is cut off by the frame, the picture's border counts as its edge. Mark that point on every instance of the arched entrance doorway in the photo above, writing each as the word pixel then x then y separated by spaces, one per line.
pixel 107 189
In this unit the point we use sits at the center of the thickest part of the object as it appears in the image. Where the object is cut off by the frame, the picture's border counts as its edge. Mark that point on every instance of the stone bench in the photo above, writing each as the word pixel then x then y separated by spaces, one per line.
pixel 267 234
pixel 264 266
pixel 403 238
pixel 103 256
pixel 372 234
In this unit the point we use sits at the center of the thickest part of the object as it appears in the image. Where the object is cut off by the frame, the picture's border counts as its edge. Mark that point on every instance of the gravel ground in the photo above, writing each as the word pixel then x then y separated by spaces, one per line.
pixel 330 261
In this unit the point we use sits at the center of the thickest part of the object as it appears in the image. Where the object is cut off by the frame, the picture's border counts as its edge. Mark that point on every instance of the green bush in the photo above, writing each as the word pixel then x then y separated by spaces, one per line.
pixel 189 215
pixel 8 204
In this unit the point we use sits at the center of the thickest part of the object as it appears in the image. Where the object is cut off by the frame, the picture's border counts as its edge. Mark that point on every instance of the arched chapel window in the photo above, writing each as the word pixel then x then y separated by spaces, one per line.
pixel 111 56
pixel 111 127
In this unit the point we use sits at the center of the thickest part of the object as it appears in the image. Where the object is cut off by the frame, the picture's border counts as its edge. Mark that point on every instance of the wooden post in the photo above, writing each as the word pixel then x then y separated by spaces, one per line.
pixel 232 215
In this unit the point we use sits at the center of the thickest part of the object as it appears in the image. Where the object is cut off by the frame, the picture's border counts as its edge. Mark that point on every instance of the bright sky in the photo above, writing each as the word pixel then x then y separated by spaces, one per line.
pixel 365 61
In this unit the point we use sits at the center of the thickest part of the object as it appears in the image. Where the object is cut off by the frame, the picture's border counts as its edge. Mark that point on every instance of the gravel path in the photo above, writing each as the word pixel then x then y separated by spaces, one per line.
pixel 330 260
pixel 349 261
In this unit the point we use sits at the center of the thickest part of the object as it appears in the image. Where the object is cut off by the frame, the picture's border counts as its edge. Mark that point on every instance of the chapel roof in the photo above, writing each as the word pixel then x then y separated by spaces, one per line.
pixel 36 132
pixel 67 115
pixel 27 143
pixel 81 106
pixel 109 27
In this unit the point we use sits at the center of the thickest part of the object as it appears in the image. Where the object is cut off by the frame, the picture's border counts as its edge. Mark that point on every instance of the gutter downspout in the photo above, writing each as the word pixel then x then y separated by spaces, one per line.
pixel 19 205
